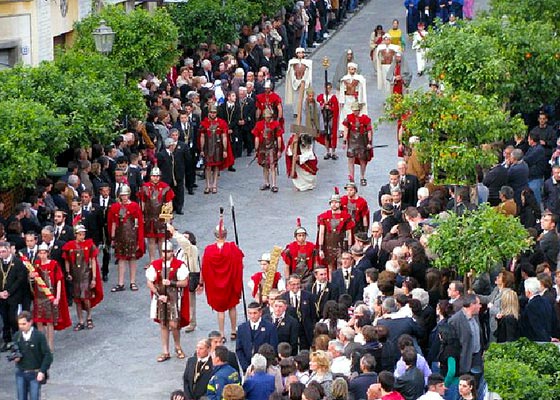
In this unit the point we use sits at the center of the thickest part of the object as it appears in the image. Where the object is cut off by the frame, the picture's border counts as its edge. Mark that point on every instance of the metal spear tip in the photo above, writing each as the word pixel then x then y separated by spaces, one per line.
pixel 231 200
pixel 326 62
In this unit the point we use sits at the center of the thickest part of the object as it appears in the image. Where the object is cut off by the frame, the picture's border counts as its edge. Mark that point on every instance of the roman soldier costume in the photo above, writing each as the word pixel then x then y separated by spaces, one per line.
pixel 268 133
pixel 153 196
pixel 126 224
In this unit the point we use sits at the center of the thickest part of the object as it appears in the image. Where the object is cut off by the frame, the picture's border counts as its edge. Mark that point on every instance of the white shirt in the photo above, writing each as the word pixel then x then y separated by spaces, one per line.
pixel 430 396
pixel 341 365
pixel 27 335
pixel 255 325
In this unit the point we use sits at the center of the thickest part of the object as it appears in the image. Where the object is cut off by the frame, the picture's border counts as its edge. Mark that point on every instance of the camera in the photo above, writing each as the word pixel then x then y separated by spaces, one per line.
pixel 14 352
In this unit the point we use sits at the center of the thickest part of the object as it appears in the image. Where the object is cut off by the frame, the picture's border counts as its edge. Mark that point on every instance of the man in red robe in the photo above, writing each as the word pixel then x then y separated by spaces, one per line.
pixel 152 196
pixel 167 279
pixel 335 232
pixel 270 100
pixel 330 111
pixel 269 147
pixel 358 135
pixel 299 255
pixel 83 271
pixel 222 274
pixel 215 148
pixel 126 228
pixel 356 206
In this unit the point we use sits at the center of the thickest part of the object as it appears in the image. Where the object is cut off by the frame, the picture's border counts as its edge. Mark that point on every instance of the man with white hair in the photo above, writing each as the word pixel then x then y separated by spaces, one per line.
pixel 340 363
pixel 206 70
pixel 258 384
pixel 299 74
pixel 423 195
pixel 346 336
pixel 538 320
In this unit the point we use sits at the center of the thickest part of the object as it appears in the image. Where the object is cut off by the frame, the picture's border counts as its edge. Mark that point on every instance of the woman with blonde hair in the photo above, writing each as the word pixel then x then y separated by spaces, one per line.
pixel 319 364
pixel 508 317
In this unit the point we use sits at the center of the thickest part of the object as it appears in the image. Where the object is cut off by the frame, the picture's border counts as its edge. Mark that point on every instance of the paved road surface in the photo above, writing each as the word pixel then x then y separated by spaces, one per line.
pixel 117 359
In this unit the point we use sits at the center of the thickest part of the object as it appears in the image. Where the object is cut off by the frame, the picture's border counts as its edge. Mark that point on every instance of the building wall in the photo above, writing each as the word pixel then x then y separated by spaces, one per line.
pixel 27 28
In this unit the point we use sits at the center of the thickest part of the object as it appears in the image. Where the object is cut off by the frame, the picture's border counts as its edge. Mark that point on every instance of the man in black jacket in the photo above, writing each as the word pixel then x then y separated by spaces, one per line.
pixel 172 163
pixel 36 358
pixel 13 278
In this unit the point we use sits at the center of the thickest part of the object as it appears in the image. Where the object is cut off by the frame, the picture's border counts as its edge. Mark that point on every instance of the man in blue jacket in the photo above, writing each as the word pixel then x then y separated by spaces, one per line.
pixel 224 374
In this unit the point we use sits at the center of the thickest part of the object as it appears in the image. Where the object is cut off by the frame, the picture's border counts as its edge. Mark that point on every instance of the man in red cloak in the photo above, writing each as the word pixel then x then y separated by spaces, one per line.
pixel 82 269
pixel 299 255
pixel 269 100
pixel 356 206
pixel 335 232
pixel 215 145
pixel 330 111
pixel 126 228
pixel 152 196
pixel 167 279
pixel 222 274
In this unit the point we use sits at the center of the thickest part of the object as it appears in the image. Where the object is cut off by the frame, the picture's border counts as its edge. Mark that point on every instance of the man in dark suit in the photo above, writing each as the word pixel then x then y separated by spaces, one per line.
pixel 538 319
pixel 133 176
pixel 101 236
pixel 548 240
pixel 13 281
pixel 349 280
pixel 188 124
pixel 246 121
pixel 172 166
pixel 494 179
pixel 198 371
pixel 518 174
pixel 551 192
pixel 409 184
pixel 62 231
pixel 302 307
pixel 394 182
pixel 252 334
pixel 375 252
pixel 357 388
pixel 465 322
pixel 361 262
pixel 286 325
pixel 230 112
pixel 322 288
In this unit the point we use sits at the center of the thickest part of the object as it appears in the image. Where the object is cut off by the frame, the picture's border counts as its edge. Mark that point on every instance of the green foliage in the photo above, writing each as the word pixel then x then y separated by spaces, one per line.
pixel 477 240
pixel 453 127
pixel 31 136
pixel 211 22
pixel 144 41
pixel 523 370
pixel 87 88
pixel 528 10
pixel 517 62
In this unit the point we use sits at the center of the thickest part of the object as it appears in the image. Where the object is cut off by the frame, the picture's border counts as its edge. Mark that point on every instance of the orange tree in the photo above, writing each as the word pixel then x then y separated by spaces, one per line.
pixel 454 128
pixel 517 61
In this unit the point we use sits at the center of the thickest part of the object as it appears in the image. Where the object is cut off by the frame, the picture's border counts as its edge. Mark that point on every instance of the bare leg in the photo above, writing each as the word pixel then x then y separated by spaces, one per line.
pixel 351 166
pixel 176 334
pixel 208 174
pixel 152 248
pixel 215 178
pixel 132 270
pixel 49 333
pixel 266 176
pixel 233 319
pixel 164 338
pixel 79 311
pixel 87 308
pixel 221 322
pixel 122 268
pixel 363 166
pixel 273 175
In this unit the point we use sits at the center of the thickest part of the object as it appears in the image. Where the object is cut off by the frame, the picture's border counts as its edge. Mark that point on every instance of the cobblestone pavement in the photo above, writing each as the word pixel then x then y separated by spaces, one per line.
pixel 117 359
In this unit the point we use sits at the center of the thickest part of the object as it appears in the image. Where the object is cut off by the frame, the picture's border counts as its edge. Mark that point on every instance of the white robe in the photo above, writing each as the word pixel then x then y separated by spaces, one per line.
pixel 292 84
pixel 345 110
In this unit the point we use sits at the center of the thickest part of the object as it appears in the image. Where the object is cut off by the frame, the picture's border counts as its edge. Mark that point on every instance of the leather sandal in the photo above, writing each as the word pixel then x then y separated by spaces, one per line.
pixel 163 357
pixel 90 324
pixel 79 327
pixel 179 353
pixel 134 287
pixel 118 288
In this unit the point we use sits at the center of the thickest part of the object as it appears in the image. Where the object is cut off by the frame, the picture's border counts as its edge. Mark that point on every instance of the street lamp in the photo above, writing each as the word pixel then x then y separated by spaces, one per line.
pixel 104 38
